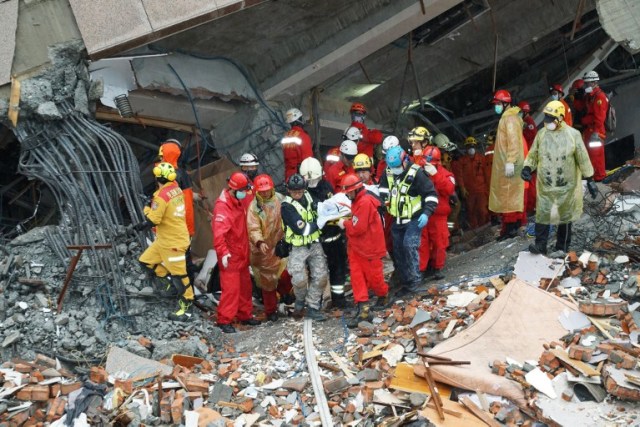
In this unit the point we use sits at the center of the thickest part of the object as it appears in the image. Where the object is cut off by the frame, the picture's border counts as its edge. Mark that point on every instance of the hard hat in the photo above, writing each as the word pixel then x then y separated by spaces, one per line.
pixel 333 155
pixel 263 183
pixel 296 182
pixel 388 142
pixel 348 148
pixel 419 134
pixel 362 162
pixel 238 181
pixel 352 133
pixel 357 107
pixel 395 156
pixel 351 182
pixel 293 115
pixel 557 87
pixel 170 152
pixel 491 137
pixel 165 170
pixel 501 96
pixel 249 159
pixel 577 84
pixel 310 168
pixel 524 106
pixel 173 141
pixel 555 109
pixel 591 76
pixel 432 155
pixel 470 141
pixel 443 143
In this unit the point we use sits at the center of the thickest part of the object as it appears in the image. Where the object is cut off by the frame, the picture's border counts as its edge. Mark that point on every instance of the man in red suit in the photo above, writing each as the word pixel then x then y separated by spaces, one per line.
pixel 296 144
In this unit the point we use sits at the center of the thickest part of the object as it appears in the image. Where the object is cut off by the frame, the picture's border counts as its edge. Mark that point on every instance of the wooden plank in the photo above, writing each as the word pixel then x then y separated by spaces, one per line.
pixel 581 367
pixel 347 372
pixel 601 328
pixel 404 380
pixel 14 102
pixel 466 418
pixel 114 116
pixel 497 283
pixel 371 354
pixel 449 329
pixel 486 418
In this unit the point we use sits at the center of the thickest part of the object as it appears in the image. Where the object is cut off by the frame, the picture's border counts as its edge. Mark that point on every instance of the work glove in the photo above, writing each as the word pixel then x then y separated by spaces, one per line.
pixel 430 169
pixel 509 170
pixel 526 174
pixel 592 187
pixel 422 220
pixel 144 226
pixel 225 260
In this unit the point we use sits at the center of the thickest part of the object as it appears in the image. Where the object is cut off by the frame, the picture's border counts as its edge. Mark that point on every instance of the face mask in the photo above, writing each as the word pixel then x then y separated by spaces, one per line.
pixel 397 171
pixel 555 97
pixel 498 108
pixel 588 89
pixel 357 118
pixel 417 152
pixel 241 194
pixel 251 173
pixel 471 151
pixel 551 125
pixel 313 183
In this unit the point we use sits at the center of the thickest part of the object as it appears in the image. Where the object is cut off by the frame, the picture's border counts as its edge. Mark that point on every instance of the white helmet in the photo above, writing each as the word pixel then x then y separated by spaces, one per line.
pixel 292 115
pixel 249 159
pixel 388 142
pixel 310 168
pixel 348 148
pixel 591 76
pixel 352 133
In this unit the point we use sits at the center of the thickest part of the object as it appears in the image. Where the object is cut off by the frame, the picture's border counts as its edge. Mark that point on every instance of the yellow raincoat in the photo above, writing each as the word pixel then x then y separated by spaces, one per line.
pixel 507 194
pixel 264 224
pixel 561 160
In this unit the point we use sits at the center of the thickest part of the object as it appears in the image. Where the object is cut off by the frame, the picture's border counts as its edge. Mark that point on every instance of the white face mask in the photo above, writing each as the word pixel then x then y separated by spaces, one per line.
pixel 588 89
pixel 396 171
pixel 555 97
pixel 313 183
pixel 471 151
pixel 551 125
pixel 417 152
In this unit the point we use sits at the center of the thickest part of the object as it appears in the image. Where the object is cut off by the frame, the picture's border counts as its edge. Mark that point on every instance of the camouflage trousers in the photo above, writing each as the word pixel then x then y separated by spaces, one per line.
pixel 307 266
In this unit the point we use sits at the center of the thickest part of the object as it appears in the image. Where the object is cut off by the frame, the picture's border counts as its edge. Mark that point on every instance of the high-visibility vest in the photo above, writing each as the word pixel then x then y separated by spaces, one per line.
pixel 308 216
pixel 401 204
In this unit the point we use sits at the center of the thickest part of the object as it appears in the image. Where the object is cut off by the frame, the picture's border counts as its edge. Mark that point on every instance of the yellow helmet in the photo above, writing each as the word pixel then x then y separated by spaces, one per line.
pixel 470 141
pixel 361 161
pixel 419 134
pixel 165 171
pixel 555 109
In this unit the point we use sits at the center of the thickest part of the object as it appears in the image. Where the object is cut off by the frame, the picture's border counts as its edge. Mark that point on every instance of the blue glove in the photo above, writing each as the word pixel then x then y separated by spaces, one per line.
pixel 422 221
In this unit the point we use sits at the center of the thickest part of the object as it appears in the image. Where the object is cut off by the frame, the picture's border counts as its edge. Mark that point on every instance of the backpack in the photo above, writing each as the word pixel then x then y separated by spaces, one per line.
pixel 610 121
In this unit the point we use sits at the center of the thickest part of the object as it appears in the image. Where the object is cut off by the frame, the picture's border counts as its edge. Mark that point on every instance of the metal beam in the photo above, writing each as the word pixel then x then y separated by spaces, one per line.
pixel 359 48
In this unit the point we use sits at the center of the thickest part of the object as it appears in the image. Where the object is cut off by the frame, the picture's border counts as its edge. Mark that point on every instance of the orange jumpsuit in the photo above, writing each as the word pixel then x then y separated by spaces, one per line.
pixel 471 176
pixel 594 132
pixel 296 146
pixel 370 138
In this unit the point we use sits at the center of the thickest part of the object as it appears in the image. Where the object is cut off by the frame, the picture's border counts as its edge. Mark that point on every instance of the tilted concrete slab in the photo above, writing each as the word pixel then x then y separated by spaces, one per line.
pixel 8 26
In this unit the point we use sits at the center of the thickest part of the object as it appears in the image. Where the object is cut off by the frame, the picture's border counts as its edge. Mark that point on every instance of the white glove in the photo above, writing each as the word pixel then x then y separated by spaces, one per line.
pixel 225 260
pixel 430 169
pixel 509 170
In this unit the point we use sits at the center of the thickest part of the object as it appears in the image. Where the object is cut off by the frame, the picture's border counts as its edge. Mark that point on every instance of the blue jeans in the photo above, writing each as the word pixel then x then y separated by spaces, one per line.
pixel 406 241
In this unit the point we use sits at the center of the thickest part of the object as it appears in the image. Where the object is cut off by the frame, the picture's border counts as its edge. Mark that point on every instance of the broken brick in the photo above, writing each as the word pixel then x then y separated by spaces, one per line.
pixel 98 375
pixel 579 352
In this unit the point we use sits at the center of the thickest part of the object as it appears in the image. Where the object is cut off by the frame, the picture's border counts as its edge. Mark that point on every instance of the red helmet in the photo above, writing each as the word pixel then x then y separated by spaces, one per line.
pixel 501 96
pixel 524 106
pixel 557 87
pixel 263 182
pixel 357 107
pixel 351 182
pixel 432 154
pixel 578 84
pixel 238 181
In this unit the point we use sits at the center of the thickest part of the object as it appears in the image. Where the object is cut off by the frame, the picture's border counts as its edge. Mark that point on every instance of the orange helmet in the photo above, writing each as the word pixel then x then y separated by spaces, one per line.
pixel 357 107
pixel 351 182
pixel 524 106
pixel 501 96
pixel 238 181
pixel 263 182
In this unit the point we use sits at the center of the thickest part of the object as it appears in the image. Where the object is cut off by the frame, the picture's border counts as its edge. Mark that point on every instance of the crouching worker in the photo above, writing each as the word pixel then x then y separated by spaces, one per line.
pixel 166 255
pixel 365 247
pixel 264 223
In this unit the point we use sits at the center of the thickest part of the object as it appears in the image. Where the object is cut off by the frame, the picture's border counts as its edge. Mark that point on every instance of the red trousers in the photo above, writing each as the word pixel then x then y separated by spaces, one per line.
pixel 366 274
pixel 596 155
pixel 270 298
pixel 434 243
pixel 477 208
pixel 530 195
pixel 236 299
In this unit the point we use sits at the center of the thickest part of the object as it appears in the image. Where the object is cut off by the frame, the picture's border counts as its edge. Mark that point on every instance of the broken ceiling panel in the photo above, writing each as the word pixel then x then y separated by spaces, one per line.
pixel 8 25
pixel 621 20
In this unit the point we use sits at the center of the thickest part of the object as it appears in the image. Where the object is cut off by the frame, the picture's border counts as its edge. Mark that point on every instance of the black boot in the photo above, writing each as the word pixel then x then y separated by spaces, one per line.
pixel 315 314
pixel 381 303
pixel 437 275
pixel 227 329
pixel 338 300
pixel 362 315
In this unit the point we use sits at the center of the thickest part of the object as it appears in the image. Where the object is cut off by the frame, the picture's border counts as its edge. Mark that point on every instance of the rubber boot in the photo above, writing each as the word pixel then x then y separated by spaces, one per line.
pixel 338 300
pixel 362 315
pixel 183 314
pixel 315 314
pixel 381 303
pixel 437 274
pixel 167 290
pixel 298 310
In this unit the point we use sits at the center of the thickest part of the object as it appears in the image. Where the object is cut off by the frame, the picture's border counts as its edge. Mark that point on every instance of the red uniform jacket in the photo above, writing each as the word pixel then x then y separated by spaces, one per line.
pixel 593 121
pixel 365 231
pixel 382 165
pixel 230 234
pixel 445 184
pixel 335 173
pixel 530 130
pixel 296 145
pixel 370 138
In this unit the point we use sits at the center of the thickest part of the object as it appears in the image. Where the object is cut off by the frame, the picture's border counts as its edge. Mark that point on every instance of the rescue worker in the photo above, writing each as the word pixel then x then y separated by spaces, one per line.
pixel 170 152
pixel 557 94
pixel 443 143
pixel 388 142
pixel 249 165
pixel 411 200
pixel 332 238
pixel 362 167
pixel 166 255
pixel 296 143
pixel 594 133
pixel 370 137
pixel 366 248
pixel 333 156
pixel 578 103
pixel 418 137
pixel 348 152
pixel 488 163
pixel 231 243
pixel 471 179
pixel 352 133
pixel 529 132
pixel 299 215
pixel 264 226
pixel 562 161
pixel 506 194
pixel 435 236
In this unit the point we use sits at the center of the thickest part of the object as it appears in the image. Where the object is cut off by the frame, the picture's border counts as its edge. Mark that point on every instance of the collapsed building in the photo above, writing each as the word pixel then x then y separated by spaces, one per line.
pixel 84 107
